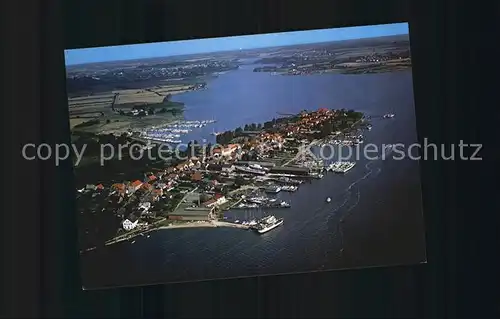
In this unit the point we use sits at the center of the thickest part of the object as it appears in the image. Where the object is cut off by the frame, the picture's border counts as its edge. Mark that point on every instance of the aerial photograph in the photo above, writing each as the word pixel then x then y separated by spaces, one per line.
pixel 245 156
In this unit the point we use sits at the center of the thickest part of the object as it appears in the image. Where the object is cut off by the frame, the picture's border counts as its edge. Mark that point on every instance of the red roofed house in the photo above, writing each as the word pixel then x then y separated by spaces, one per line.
pixel 135 185
pixel 100 186
pixel 227 151
pixel 156 194
pixel 218 199
pixel 151 177
pixel 119 188
pixel 196 176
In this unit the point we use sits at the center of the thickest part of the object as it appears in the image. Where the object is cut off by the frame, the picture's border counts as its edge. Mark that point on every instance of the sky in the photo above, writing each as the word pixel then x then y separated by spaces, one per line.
pixel 163 49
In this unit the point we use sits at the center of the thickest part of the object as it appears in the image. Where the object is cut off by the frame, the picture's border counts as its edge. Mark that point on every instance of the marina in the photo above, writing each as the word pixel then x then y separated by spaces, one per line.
pixel 172 132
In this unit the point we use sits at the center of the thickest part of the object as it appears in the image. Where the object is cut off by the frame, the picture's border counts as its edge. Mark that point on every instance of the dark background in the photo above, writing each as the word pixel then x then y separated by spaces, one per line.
pixel 42 271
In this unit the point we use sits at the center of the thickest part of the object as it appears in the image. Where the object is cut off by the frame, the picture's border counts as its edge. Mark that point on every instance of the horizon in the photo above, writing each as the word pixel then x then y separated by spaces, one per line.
pixel 83 56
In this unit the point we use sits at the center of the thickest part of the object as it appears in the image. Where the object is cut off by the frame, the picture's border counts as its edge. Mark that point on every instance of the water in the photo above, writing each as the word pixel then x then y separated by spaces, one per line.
pixel 379 201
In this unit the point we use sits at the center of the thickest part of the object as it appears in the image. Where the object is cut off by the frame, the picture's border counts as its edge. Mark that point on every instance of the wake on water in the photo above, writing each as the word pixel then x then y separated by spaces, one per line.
pixel 352 189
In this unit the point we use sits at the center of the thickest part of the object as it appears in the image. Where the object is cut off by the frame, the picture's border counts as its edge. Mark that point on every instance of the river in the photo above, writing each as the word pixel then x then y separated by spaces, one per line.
pixel 379 201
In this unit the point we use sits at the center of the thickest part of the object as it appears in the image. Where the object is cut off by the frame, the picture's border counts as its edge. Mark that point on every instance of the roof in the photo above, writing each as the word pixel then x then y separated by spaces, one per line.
pixel 196 176
pixel 118 185
pixel 210 201
pixel 146 185
pixel 152 177
pixel 136 183
pixel 192 211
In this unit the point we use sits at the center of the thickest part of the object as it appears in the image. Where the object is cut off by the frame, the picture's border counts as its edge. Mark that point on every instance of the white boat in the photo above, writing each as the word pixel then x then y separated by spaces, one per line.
pixel 289 188
pixel 268 223
pixel 328 199
pixel 273 189
pixel 342 167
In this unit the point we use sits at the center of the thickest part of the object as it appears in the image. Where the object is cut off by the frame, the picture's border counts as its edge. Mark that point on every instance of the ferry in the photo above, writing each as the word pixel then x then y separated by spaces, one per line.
pixel 284 204
pixel 257 200
pixel 342 167
pixel 267 223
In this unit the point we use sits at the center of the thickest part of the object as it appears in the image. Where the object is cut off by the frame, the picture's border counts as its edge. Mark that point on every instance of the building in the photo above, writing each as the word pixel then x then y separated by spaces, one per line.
pixel 196 177
pixel 216 201
pixel 192 214
pixel 128 225
pixel 135 185
pixel 119 188
pixel 226 151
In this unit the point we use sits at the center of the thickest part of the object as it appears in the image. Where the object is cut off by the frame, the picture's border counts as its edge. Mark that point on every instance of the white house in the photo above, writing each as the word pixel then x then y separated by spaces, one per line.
pixel 128 225
pixel 219 200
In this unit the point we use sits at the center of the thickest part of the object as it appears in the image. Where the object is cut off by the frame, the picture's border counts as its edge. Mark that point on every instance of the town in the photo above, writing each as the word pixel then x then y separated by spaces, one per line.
pixel 240 172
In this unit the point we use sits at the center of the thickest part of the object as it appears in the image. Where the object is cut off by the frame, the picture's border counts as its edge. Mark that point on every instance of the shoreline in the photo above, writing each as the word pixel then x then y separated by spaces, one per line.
pixel 205 224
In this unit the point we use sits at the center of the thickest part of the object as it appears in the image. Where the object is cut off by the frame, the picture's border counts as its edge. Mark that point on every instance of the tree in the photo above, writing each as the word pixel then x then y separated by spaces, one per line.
pixel 246 127
pixel 259 126
pixel 268 125
pixel 253 126
pixel 151 110
pixel 327 129
pixel 108 121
